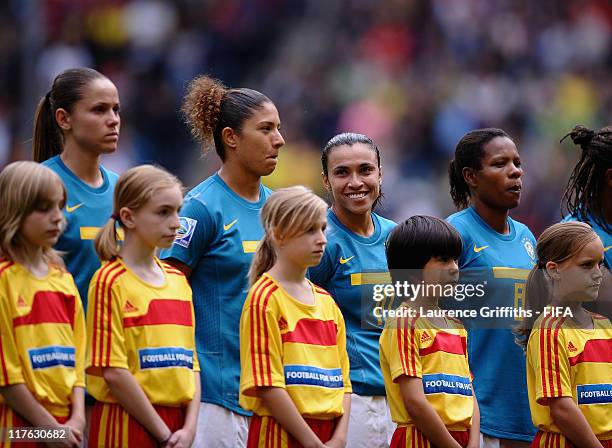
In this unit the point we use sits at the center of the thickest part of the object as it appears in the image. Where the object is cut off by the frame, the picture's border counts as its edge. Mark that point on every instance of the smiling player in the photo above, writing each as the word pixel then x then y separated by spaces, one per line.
pixel 355 259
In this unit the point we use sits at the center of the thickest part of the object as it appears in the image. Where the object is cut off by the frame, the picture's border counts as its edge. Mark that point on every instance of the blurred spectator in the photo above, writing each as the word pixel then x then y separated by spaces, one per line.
pixel 414 75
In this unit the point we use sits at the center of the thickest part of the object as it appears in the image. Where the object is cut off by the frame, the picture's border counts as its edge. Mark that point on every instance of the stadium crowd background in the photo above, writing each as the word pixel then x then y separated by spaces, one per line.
pixel 413 75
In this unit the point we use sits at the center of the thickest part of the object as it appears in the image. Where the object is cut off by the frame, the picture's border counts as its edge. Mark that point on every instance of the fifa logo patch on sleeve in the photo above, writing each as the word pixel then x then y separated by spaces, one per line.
pixel 185 231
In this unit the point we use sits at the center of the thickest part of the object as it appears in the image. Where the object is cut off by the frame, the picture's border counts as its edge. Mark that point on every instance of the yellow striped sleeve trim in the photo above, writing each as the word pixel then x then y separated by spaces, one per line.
pixel 370 278
pixel 90 233
pixel 512 273
pixel 249 247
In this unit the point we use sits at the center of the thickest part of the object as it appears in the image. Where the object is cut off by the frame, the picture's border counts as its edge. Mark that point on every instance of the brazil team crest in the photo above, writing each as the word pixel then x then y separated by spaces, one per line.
pixel 528 245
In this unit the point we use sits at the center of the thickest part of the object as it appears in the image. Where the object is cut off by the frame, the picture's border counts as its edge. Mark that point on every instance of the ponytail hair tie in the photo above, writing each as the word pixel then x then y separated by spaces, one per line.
pixel 115 217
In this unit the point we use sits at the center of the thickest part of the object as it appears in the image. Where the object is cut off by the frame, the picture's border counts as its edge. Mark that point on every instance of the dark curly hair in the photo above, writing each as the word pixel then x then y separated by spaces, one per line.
pixel 209 107
pixel 583 194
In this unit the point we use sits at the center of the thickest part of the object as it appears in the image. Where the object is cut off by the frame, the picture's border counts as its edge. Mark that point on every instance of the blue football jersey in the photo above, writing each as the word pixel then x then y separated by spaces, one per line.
pixel 218 236
pixel 87 210
pixel 501 263
pixel 350 266
pixel 606 237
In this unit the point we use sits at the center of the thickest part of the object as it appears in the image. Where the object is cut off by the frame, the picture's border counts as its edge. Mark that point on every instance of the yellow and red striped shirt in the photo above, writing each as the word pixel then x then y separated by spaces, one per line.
pixel 42 335
pixel 146 329
pixel 298 347
pixel 415 347
pixel 566 361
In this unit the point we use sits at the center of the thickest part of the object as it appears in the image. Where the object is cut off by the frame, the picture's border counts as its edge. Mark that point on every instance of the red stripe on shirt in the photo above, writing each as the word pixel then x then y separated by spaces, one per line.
pixel 446 342
pixel 3 364
pixel 413 345
pixel 49 307
pixel 322 291
pixel 266 338
pixel 163 312
pixel 105 297
pixel 400 348
pixel 557 363
pixel 313 332
pixel 252 316
pixel 407 349
pixel 6 266
pixel 109 297
pixel 551 352
pixel 255 333
pixel 543 356
pixel 97 321
pixel 595 350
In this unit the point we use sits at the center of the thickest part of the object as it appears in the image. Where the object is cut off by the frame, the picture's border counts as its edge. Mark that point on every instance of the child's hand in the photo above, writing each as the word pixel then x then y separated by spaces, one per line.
pixel 76 426
pixel 335 442
pixel 183 438
pixel 70 442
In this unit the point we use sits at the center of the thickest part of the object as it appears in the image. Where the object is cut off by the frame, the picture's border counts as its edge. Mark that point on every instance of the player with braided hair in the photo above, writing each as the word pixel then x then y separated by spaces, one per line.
pixel 588 198
pixel 498 251
pixel 588 195
pixel 219 232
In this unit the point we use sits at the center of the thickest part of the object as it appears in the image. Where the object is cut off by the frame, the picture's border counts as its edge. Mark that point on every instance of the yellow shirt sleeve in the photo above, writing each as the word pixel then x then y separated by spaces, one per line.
pixel 342 353
pixel 10 367
pixel 261 347
pixel 547 352
pixel 80 341
pixel 196 362
pixel 404 340
pixel 105 337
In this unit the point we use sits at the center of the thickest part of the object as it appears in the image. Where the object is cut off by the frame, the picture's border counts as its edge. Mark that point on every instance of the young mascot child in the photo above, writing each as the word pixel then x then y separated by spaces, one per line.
pixel 569 357
pixel 295 370
pixel 42 327
pixel 424 359
pixel 141 362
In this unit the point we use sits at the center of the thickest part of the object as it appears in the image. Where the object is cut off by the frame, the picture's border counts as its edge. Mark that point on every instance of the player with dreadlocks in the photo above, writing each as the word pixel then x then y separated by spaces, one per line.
pixel 588 198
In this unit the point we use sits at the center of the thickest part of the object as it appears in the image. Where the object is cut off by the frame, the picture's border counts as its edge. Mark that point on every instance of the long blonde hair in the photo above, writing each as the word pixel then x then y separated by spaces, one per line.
pixel 558 243
pixel 288 212
pixel 134 189
pixel 24 188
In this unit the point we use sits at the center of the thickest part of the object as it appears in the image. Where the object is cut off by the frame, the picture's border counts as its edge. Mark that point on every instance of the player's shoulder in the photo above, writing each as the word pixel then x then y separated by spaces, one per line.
pixel 51 163
pixel 334 231
pixel 262 290
pixel 462 220
pixel 326 300
pixel 6 267
pixel 386 225
pixel 267 191
pixel 522 229
pixel 570 218
pixel 600 321
pixel 110 174
pixel 206 192
pixel 109 272
pixel 171 270
pixel 456 323
pixel 322 293
pixel 548 322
